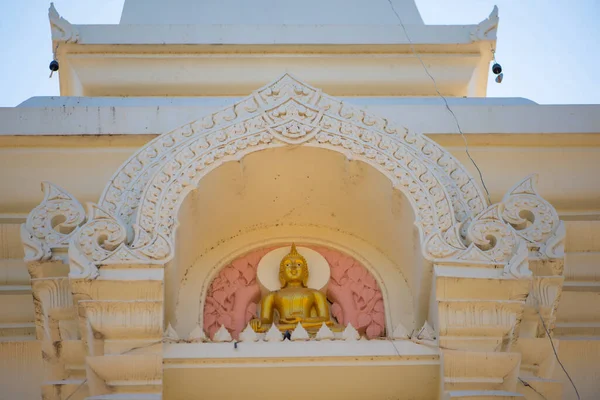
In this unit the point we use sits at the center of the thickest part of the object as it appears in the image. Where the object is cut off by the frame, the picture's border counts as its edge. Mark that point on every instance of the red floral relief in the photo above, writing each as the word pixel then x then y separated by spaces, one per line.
pixel 355 294
pixel 233 295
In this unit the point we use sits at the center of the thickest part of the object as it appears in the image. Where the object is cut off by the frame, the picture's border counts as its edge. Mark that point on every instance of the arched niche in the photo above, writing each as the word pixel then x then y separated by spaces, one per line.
pixel 309 195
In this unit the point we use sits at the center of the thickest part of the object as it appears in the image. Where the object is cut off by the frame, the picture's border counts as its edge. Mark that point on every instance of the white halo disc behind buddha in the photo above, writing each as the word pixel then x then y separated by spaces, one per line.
pixel 268 268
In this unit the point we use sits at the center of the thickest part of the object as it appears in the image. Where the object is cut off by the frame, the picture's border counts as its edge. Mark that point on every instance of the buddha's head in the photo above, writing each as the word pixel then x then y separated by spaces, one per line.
pixel 293 269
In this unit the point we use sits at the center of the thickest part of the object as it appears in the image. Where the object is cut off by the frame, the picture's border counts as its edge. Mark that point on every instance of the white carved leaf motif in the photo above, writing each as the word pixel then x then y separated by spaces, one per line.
pixel 532 217
pixel 490 238
pixel 61 29
pixel 294 132
pixel 437 247
pixel 285 87
pixel 52 223
pixel 101 239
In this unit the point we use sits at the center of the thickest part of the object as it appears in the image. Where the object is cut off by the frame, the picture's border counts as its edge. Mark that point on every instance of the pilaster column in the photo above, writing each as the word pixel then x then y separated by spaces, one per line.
pixel 119 302
pixel 478 319
pixel 121 319
pixel 45 237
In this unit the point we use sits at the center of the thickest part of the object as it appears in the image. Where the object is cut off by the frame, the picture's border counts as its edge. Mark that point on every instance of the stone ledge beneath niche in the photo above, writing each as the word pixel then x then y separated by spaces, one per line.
pixel 374 351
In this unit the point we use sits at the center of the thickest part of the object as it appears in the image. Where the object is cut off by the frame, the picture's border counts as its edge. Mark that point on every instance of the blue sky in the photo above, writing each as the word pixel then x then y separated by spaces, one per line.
pixel 549 49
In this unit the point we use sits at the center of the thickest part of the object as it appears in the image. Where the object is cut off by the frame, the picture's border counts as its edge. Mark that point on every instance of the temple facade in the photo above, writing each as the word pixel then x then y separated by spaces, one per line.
pixel 310 200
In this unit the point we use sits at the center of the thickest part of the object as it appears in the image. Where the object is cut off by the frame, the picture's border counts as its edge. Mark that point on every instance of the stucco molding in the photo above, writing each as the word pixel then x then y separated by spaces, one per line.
pixel 534 219
pixel 136 218
pixel 51 224
pixel 102 240
pixel 147 191
pixel 523 225
pixel 486 29
pixel 62 30
pixel 53 302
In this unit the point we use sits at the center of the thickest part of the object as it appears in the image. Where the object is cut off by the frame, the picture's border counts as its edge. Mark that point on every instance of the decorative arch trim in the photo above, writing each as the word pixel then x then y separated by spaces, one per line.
pixel 136 218
pixel 146 193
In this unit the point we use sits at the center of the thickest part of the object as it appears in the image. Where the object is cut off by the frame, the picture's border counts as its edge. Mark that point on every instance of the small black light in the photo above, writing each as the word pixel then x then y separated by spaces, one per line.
pixel 497 68
pixel 53 66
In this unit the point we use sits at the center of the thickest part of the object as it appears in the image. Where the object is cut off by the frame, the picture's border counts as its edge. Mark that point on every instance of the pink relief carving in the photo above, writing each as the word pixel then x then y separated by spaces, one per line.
pixel 234 294
pixel 355 294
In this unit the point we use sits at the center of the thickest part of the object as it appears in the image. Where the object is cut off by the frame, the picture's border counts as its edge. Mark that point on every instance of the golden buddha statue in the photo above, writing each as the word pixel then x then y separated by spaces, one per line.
pixel 294 302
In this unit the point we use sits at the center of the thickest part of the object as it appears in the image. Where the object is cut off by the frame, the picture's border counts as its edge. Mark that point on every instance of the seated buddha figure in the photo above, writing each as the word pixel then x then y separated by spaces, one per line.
pixel 294 302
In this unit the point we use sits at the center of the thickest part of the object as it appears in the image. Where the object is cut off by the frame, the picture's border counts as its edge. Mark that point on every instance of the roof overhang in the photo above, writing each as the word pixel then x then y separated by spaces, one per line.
pixel 231 60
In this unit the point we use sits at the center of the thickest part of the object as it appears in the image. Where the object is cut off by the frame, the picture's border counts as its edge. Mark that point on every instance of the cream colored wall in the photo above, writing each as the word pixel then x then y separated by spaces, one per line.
pixel 578 317
pixel 20 370
pixel 266 12
pixel 580 358
pixel 20 354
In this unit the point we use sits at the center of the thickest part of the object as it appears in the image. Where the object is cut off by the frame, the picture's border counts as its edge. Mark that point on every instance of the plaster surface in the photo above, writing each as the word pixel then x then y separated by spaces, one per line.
pixel 266 12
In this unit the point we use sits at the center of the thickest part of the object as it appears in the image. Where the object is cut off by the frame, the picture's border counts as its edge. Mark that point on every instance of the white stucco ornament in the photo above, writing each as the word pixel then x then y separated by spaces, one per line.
pixel 400 332
pixel 268 268
pixel 248 335
pixel 51 224
pixel 273 334
pixel 299 333
pixel 170 334
pixel 350 333
pixel 62 30
pixel 425 333
pixel 149 188
pixel 222 335
pixel 197 335
pixel 324 333
pixel 136 217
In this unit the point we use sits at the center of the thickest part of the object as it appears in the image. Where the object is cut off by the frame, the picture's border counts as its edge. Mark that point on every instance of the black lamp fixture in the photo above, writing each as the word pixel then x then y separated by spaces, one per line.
pixel 497 69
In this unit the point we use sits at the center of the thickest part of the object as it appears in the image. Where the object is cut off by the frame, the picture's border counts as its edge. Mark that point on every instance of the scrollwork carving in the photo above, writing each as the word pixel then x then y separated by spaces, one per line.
pixel 35 249
pixel 62 30
pixel 518 265
pixel 486 29
pixel 101 236
pixel 147 191
pixel 51 224
pixel 489 238
pixel 532 217
pixel 100 240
